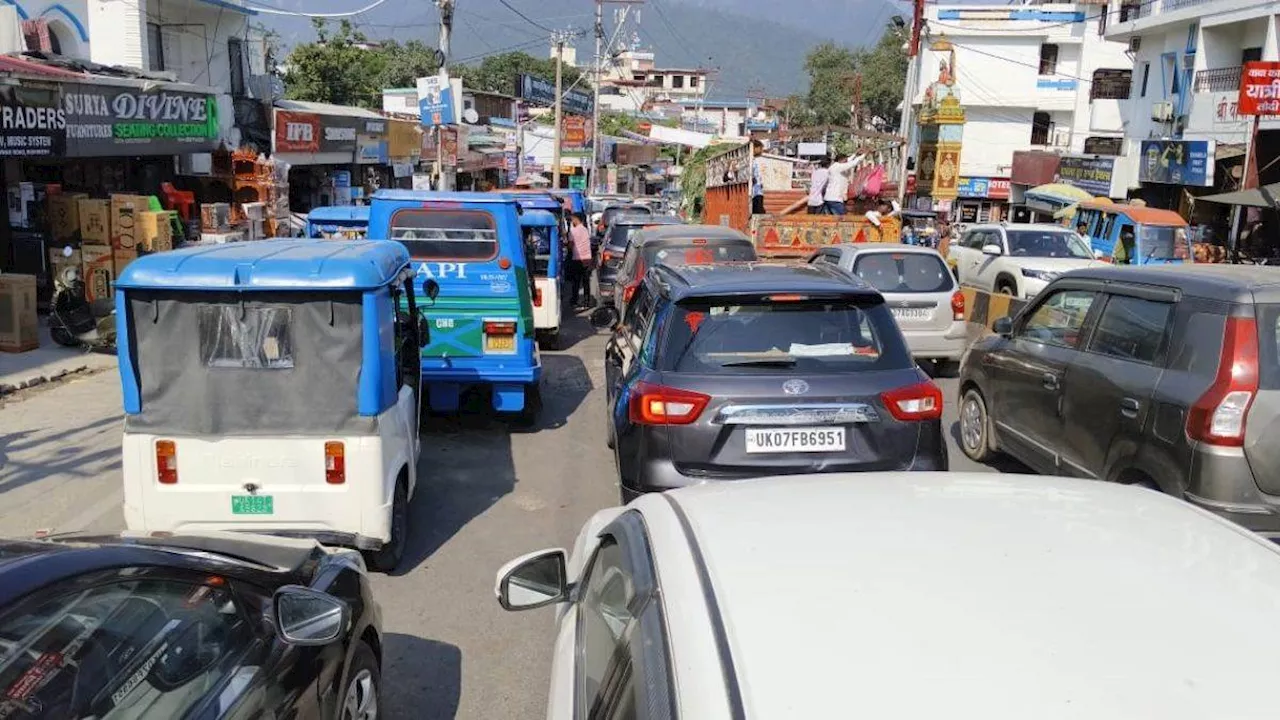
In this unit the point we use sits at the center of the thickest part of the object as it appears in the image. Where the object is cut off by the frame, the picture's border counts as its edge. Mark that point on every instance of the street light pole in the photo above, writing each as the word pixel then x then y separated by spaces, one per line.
pixel 593 181
pixel 559 40
pixel 446 32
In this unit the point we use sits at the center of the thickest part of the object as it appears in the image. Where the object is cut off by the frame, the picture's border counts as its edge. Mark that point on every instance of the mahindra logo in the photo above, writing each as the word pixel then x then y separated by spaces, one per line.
pixel 299 132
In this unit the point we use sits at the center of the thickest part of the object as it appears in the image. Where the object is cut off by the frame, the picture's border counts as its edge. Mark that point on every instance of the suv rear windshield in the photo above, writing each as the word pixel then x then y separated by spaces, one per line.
pixel 620 235
pixel 698 253
pixel 446 235
pixel 617 210
pixel 904 272
pixel 757 335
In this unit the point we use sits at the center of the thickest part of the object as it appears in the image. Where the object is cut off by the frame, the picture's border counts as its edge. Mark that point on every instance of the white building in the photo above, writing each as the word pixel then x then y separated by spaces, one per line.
pixel 202 42
pixel 1187 58
pixel 1029 77
pixel 633 81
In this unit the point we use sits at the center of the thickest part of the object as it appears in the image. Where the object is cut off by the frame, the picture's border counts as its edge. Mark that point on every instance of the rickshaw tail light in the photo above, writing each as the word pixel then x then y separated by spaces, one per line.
pixel 504 263
pixel 537 297
pixel 166 462
pixel 499 328
pixel 957 305
pixel 335 463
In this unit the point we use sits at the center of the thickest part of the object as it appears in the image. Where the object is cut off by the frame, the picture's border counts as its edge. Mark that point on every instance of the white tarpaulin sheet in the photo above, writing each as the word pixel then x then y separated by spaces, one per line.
pixel 676 136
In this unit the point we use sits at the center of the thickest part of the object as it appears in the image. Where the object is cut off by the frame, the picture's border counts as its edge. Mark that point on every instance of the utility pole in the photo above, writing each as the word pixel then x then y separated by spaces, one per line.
pixel 908 92
pixel 559 40
pixel 593 182
pixel 446 32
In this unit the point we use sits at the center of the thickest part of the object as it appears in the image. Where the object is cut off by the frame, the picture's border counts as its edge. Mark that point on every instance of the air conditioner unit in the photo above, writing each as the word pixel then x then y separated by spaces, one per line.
pixel 1135 44
pixel 1162 111
pixel 1189 61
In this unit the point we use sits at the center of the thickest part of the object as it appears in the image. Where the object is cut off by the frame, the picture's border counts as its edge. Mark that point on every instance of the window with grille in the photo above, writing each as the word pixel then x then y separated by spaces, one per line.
pixel 1040 127
pixel 1111 84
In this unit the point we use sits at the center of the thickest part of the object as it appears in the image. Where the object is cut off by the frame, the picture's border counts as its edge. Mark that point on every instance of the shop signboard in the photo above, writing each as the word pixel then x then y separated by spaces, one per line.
pixel 104 120
pixel 541 92
pixel 998 189
pixel 32 124
pixel 1090 174
pixel 449 147
pixel 301 132
pixel 573 132
pixel 371 150
pixel 436 102
pixel 578 182
pixel 403 140
pixel 1260 88
pixel 1177 162
pixel 973 187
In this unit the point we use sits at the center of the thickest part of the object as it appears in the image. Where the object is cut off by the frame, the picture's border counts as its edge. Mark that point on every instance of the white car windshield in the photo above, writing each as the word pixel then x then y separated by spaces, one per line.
pixel 1047 243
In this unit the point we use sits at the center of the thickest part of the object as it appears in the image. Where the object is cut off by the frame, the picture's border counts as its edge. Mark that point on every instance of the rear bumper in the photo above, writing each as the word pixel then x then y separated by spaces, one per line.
pixel 945 344
pixel 658 474
pixel 1222 482
pixel 464 372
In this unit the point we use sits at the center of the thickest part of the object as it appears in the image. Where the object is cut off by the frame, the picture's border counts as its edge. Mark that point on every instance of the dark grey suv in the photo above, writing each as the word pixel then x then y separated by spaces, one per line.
pixel 617 238
pixel 737 370
pixel 1165 376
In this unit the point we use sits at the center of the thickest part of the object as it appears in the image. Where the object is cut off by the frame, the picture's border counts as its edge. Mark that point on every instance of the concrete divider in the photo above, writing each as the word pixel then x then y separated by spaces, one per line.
pixel 982 309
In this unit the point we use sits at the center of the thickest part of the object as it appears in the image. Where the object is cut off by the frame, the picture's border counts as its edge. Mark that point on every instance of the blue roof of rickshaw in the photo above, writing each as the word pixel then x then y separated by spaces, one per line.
pixel 339 213
pixel 539 218
pixel 539 202
pixel 270 265
pixel 443 197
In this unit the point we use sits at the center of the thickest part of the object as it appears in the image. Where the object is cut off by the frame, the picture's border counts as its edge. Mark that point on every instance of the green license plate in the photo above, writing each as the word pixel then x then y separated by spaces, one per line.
pixel 252 505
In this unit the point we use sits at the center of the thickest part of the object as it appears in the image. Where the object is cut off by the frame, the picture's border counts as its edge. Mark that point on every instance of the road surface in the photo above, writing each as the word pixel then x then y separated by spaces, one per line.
pixel 486 495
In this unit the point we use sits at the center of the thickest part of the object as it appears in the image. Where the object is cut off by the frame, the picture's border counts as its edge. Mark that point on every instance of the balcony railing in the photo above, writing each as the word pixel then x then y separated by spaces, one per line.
pixel 1218 79
pixel 1135 9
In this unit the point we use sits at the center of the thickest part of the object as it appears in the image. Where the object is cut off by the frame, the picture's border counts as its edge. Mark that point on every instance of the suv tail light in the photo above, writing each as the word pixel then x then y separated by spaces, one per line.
pixel 922 401
pixel 166 462
pixel 335 462
pixel 1218 417
pixel 653 404
pixel 957 305
pixel 605 256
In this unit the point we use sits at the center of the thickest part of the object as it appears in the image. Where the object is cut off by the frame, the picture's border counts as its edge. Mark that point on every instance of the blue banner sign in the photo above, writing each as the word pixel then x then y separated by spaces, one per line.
pixel 973 187
pixel 1177 162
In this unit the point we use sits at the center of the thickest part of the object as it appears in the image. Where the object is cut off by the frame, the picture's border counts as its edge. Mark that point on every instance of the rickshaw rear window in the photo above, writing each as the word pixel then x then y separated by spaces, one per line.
pixel 446 235
pixel 254 338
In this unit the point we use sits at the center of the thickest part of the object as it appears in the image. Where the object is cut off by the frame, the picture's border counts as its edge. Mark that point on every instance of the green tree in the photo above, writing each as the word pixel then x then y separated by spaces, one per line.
pixel 884 72
pixel 497 73
pixel 404 64
pixel 337 68
pixel 830 67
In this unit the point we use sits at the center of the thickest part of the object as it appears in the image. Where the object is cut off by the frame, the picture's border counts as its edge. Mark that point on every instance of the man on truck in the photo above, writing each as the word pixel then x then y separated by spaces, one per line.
pixel 838 178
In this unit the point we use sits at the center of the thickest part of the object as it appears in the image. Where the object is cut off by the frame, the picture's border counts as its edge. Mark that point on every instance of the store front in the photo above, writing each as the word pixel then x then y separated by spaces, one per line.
pixel 981 200
pixel 336 155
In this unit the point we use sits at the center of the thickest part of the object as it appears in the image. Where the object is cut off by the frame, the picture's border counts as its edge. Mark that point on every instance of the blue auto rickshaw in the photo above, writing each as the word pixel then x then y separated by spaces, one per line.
pixel 346 222
pixel 543 245
pixel 1133 234
pixel 482 329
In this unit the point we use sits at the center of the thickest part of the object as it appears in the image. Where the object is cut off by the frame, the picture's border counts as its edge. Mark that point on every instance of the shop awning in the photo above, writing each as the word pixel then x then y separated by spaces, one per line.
pixel 1060 193
pixel 317 108
pixel 1246 198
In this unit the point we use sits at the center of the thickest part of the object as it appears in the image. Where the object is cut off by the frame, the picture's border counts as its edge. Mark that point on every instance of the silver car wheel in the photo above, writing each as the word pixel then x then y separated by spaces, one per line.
pixel 362 698
pixel 971 422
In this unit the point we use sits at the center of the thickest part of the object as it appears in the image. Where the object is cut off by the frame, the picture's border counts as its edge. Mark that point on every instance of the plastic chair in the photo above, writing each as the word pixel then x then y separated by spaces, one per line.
pixel 181 200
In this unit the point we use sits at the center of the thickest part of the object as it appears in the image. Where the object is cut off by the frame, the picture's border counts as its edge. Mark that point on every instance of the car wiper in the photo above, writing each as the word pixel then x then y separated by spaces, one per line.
pixel 770 362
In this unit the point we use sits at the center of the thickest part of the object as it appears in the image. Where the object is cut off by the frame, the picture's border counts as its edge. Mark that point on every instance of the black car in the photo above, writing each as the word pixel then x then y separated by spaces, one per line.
pixel 748 369
pixel 617 238
pixel 612 212
pixel 200 627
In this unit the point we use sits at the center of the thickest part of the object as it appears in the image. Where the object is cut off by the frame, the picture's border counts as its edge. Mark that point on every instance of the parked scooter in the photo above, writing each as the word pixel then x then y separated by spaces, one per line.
pixel 73 321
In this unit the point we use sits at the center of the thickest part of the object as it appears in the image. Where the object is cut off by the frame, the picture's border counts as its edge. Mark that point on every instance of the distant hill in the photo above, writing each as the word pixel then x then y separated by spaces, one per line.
pixel 758 43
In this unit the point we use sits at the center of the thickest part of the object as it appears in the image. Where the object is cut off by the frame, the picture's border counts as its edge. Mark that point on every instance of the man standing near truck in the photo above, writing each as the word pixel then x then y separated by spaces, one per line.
pixel 838 179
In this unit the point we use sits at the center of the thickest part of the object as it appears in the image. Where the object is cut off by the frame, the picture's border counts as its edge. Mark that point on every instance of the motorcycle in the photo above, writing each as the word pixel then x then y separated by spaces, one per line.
pixel 73 320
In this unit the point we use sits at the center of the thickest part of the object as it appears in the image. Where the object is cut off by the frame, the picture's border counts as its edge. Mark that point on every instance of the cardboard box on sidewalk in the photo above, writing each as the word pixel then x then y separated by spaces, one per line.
pixel 19 326
pixel 64 217
pixel 121 258
pixel 157 230
pixel 99 271
pixel 125 217
pixel 95 221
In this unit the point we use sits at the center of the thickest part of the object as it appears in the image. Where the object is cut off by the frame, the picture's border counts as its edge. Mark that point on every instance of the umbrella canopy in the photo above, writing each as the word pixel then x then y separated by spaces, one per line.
pixel 1247 198
pixel 1059 192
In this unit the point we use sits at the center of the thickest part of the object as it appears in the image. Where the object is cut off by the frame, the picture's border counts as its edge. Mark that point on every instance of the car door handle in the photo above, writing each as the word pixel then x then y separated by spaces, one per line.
pixel 1050 381
pixel 1130 407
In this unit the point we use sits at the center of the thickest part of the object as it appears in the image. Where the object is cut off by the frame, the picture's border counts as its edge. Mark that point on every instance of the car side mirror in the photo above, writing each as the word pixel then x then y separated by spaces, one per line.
pixel 424 331
pixel 533 581
pixel 431 288
pixel 992 249
pixel 1003 326
pixel 307 617
pixel 604 317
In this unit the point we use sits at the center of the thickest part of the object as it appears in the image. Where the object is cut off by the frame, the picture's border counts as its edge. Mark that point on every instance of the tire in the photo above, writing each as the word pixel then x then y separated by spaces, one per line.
pixel 549 341
pixel 362 696
pixel 611 434
pixel 528 416
pixel 63 336
pixel 388 557
pixel 975 427
pixel 1004 287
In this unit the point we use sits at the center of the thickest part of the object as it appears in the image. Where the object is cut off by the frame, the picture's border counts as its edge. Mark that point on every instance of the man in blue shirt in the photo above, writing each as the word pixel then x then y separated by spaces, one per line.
pixel 757 184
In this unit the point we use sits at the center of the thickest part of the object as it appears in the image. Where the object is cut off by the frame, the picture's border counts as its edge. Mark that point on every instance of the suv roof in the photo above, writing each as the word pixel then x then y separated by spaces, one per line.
pixel 1018 226
pixel 680 233
pixel 863 248
pixel 644 219
pixel 1228 283
pixel 752 278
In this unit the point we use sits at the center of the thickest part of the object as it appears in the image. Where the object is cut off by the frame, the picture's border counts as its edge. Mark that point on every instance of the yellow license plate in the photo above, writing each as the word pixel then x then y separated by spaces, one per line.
pixel 500 343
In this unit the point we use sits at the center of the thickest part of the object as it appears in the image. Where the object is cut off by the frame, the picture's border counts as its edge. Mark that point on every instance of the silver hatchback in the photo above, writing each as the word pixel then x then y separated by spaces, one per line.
pixel 918 289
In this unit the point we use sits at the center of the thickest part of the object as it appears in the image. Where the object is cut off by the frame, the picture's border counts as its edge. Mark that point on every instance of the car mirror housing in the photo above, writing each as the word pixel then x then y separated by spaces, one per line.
pixel 307 617
pixel 992 249
pixel 533 581
pixel 1003 326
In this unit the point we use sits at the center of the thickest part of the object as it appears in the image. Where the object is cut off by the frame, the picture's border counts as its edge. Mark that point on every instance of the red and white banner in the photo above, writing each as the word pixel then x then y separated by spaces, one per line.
pixel 1260 88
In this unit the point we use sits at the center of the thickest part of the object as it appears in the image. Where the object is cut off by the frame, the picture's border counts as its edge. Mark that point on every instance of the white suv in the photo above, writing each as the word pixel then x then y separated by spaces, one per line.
pixel 1017 260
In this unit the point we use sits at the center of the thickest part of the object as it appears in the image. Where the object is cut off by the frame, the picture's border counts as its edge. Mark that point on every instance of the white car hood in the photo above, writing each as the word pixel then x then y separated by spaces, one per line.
pixel 1055 265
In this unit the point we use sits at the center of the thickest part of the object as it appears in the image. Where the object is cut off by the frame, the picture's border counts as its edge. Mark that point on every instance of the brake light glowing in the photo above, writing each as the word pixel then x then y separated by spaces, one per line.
pixel 785 298
pixel 537 297
pixel 957 305
pixel 606 256
pixel 653 404
pixel 335 462
pixel 500 327
pixel 922 401
pixel 166 462
pixel 1219 416
pixel 699 241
